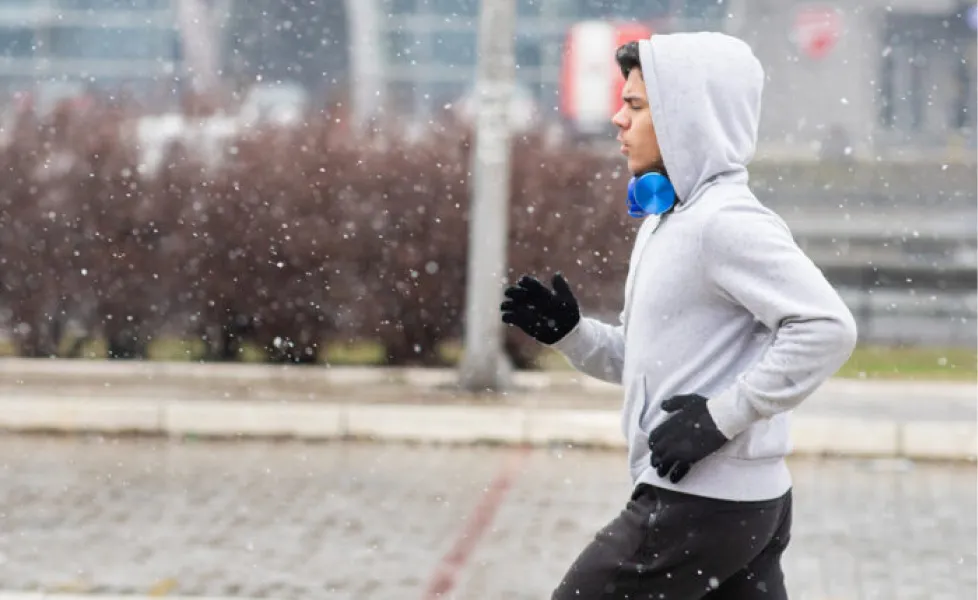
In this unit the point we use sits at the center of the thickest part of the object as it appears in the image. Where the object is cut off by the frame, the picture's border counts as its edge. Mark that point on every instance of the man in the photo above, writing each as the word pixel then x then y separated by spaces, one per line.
pixel 726 327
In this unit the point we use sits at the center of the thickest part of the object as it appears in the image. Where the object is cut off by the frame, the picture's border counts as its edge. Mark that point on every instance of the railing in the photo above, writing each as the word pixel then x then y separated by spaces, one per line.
pixel 902 276
pixel 898 303
pixel 944 311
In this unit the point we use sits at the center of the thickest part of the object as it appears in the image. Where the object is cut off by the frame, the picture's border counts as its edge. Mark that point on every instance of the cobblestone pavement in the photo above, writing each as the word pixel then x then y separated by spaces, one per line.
pixel 290 520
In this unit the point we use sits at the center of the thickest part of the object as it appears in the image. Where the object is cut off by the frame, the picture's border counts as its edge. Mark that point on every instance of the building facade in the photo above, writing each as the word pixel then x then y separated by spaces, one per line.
pixel 885 77
pixel 103 43
pixel 897 82
pixel 431 44
pixel 867 78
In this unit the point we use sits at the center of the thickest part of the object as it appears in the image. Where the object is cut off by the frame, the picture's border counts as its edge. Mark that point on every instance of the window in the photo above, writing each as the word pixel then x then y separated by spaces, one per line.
pixel 964 52
pixel 16 42
pixel 528 52
pixel 550 47
pixel 113 4
pixel 887 97
pixel 460 8
pixel 926 77
pixel 403 47
pixel 442 93
pixel 454 48
pixel 459 49
pixel 529 8
pixel 627 9
pixel 964 104
pixel 704 14
pixel 904 62
pixel 134 43
pixel 704 9
pixel 399 7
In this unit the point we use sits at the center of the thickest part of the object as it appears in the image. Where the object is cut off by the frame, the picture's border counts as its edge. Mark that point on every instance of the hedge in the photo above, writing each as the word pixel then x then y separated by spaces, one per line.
pixel 292 240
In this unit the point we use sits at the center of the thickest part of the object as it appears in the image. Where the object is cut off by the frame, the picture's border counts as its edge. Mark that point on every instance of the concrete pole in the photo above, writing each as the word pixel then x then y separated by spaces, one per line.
pixel 484 365
pixel 366 60
pixel 200 44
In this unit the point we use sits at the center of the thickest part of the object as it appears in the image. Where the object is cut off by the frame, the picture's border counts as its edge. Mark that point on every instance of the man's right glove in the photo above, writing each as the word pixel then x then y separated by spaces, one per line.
pixel 688 436
pixel 544 315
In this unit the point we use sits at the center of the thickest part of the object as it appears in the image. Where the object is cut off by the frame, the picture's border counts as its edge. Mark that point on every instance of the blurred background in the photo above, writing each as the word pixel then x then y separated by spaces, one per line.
pixel 142 128
pixel 190 184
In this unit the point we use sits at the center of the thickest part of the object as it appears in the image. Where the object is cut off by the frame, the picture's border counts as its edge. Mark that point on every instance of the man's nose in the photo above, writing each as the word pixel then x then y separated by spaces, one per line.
pixel 619 120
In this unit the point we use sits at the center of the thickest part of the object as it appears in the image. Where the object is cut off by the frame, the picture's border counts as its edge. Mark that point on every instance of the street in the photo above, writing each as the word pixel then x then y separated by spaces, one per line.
pixel 290 520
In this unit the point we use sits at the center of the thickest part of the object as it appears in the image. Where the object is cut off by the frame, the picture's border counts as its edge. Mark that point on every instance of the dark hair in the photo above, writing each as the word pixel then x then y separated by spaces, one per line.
pixel 627 58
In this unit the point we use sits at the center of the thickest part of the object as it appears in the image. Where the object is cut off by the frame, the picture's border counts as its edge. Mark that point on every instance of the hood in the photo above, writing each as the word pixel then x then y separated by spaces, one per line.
pixel 704 94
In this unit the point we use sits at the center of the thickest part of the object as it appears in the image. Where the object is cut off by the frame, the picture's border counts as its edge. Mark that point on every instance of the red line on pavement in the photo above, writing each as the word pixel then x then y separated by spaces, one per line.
pixel 444 578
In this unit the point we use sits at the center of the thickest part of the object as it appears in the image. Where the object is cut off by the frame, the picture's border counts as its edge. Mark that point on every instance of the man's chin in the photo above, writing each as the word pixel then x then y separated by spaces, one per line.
pixel 637 170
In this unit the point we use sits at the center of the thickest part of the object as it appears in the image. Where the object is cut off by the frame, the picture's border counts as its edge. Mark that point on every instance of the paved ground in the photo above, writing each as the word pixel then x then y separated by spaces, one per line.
pixel 361 521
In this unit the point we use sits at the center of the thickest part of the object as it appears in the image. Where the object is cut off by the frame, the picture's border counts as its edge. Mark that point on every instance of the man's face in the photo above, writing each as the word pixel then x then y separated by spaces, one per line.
pixel 635 130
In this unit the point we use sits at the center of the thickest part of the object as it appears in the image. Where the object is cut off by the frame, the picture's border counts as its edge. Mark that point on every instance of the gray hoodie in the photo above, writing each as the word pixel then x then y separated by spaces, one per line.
pixel 719 300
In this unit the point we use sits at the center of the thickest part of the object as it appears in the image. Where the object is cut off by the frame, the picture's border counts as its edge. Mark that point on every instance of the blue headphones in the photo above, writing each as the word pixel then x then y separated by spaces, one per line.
pixel 650 194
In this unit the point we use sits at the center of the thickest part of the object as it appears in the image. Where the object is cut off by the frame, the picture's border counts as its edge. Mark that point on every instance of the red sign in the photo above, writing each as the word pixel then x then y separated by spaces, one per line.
pixel 591 83
pixel 816 30
pixel 624 33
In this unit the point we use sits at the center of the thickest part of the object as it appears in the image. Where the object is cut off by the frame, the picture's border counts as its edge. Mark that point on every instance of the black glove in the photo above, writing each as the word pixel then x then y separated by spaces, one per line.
pixel 544 315
pixel 685 438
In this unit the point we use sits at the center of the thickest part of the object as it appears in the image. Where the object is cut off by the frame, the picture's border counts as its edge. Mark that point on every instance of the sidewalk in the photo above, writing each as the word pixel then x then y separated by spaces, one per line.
pixel 285 520
pixel 926 420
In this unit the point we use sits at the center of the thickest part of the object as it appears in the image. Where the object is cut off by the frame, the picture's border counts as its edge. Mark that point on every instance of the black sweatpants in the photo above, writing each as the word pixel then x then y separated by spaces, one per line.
pixel 667 545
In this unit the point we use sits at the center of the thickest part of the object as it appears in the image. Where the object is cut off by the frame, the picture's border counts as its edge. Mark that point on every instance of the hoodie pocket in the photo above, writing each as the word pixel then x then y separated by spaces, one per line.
pixel 637 418
pixel 765 439
pixel 636 406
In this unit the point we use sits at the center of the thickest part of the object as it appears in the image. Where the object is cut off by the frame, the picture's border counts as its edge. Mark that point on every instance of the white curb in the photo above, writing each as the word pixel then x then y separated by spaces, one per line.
pixel 847 436
pixel 263 419
pixel 582 427
pixel 940 440
pixel 419 423
pixel 109 415
pixel 811 435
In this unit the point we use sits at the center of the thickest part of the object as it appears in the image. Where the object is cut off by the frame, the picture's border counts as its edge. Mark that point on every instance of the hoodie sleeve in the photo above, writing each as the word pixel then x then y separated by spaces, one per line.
pixel 753 261
pixel 595 348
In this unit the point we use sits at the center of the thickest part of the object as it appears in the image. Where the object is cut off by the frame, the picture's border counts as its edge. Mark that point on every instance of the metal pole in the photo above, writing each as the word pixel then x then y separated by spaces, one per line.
pixel 366 59
pixel 201 44
pixel 484 365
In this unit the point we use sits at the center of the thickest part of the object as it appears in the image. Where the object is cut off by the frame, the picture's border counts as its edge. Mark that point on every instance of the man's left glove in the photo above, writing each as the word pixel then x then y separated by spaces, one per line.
pixel 545 315
pixel 685 438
